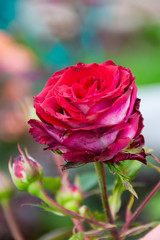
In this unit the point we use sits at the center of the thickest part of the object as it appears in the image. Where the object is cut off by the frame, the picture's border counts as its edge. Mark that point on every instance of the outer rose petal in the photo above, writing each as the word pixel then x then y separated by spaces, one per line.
pixel 89 140
pixel 121 156
pixel 45 134
pixel 79 156
pixel 113 149
pixel 137 142
pixel 132 127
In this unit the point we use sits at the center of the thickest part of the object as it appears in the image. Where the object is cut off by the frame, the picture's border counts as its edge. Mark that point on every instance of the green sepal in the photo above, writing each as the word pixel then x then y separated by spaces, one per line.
pixel 125 172
pixel 35 188
pixel 69 165
pixel 52 184
pixel 78 236
pixel 72 206
pixel 59 152
pixel 131 167
pixel 115 198
pixel 125 179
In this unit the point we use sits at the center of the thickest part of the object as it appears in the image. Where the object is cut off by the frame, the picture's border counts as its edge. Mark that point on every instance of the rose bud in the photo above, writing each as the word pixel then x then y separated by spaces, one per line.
pixel 6 186
pixel 25 170
pixel 70 197
pixel 90 112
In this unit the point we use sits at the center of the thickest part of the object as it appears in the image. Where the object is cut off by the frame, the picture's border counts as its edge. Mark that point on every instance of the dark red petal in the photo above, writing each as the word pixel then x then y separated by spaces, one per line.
pixel 90 140
pixel 113 149
pixel 108 62
pixel 45 134
pixel 79 156
pixel 121 156
pixel 137 142
pixel 140 125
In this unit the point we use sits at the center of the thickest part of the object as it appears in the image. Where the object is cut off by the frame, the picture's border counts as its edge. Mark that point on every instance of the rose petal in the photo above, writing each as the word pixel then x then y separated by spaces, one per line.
pixel 88 140
pixel 137 142
pixel 113 149
pixel 115 114
pixel 79 156
pixel 45 134
pixel 121 156
pixel 77 73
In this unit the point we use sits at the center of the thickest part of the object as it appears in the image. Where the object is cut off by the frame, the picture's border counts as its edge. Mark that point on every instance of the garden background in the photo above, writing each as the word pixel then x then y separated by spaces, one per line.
pixel 38 38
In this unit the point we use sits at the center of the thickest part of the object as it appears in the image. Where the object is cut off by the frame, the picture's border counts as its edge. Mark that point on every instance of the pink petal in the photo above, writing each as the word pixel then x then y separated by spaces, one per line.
pixel 116 113
pixel 133 99
pixel 131 128
pixel 77 73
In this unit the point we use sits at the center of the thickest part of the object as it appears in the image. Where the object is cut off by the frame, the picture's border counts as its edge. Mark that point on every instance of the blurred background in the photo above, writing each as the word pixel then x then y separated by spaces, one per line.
pixel 38 37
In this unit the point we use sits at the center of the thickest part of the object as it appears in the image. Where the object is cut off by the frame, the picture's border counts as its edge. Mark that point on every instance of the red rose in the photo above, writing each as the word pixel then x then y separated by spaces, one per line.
pixel 90 112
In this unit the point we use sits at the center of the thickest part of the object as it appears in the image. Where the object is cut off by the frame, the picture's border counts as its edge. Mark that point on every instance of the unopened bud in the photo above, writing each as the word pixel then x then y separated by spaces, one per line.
pixel 70 198
pixel 25 170
pixel 72 205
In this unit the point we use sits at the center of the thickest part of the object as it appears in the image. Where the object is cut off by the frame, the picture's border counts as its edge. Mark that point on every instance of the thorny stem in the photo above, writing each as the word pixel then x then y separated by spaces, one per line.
pixel 99 166
pixel 65 178
pixel 155 158
pixel 59 163
pixel 140 208
pixel 11 221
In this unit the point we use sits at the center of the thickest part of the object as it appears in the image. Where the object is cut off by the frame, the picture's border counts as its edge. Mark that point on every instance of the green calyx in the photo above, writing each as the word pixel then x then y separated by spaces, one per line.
pixel 25 170
pixel 69 198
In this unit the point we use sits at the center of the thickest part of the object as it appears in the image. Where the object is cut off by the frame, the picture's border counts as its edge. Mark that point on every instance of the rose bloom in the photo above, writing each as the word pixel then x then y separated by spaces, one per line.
pixel 90 112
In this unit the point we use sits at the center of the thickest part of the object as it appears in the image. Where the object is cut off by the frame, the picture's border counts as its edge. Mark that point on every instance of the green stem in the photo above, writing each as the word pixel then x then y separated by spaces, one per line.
pixel 37 189
pixel 11 221
pixel 140 208
pixel 53 204
pixel 99 166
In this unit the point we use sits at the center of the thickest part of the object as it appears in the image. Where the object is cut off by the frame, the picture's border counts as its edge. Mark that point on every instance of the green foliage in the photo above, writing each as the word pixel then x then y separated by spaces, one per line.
pixel 88 181
pixel 125 172
pixel 124 178
pixel 115 198
pixel 59 234
pixel 52 184
pixel 99 216
pixel 47 209
pixel 138 57
pixel 132 167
